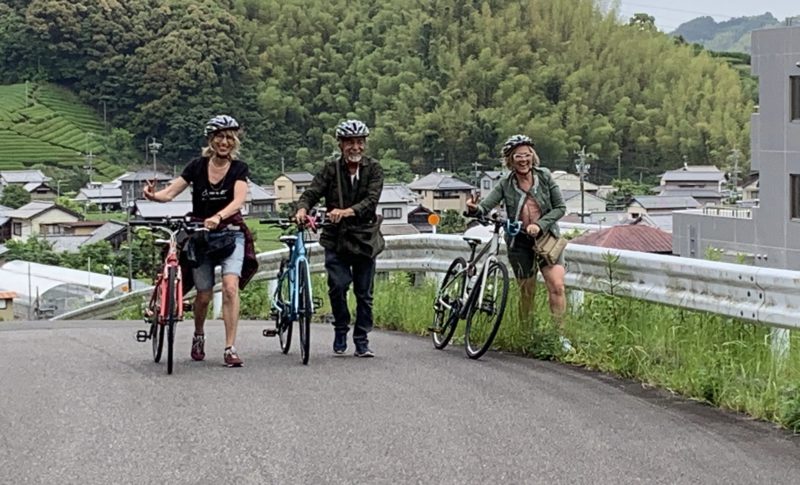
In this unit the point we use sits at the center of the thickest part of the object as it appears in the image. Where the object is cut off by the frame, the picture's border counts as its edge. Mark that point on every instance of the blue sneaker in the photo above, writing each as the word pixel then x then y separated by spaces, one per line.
pixel 362 350
pixel 340 343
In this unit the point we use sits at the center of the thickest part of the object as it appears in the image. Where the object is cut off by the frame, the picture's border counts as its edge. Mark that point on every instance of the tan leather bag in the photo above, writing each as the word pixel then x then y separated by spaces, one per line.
pixel 549 247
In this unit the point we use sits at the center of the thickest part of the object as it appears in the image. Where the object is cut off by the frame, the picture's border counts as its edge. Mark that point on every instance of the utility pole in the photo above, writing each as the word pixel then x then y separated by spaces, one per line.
pixel 88 167
pixel 735 154
pixel 583 169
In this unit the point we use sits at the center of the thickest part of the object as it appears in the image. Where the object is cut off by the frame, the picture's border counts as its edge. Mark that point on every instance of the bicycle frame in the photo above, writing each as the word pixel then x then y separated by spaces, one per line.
pixel 162 280
pixel 469 296
pixel 296 256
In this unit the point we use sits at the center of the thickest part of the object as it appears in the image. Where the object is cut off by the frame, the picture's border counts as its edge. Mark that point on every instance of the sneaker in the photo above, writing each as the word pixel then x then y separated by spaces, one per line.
pixel 232 358
pixel 566 345
pixel 340 343
pixel 199 347
pixel 362 350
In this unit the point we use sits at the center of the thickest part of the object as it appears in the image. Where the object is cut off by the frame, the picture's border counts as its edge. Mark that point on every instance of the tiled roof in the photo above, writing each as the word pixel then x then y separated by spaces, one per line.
pixel 143 175
pixel 439 181
pixel 631 237
pixel 664 202
pixel 397 193
pixel 23 176
pixel 299 177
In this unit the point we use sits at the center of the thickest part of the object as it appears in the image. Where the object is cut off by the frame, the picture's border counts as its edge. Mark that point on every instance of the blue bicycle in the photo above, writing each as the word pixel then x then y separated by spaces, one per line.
pixel 293 299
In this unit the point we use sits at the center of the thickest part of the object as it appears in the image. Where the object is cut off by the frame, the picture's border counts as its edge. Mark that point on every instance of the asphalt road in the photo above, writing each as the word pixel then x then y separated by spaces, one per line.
pixel 84 403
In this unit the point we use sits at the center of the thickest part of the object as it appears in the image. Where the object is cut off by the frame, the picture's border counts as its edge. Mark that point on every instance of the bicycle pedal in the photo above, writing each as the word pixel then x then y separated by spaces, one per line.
pixel 187 306
pixel 434 330
pixel 270 332
pixel 317 301
pixel 142 336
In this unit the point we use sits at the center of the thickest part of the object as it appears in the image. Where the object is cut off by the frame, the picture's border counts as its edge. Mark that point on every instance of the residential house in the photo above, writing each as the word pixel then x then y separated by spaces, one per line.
pixel 106 197
pixel 78 234
pixel 767 234
pixel 441 191
pixel 149 210
pixel 629 237
pixel 34 182
pixel 40 218
pixel 571 182
pixel 261 201
pixel 659 204
pixel 591 203
pixel 7 305
pixel 5 223
pixel 396 202
pixel 131 185
pixel 750 188
pixel 704 183
pixel 289 186
pixel 488 180
pixel 418 218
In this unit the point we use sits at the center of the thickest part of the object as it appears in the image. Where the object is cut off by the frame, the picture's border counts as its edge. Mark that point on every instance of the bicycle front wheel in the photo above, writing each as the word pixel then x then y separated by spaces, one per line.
pixel 304 310
pixel 283 322
pixel 171 315
pixel 484 317
pixel 447 305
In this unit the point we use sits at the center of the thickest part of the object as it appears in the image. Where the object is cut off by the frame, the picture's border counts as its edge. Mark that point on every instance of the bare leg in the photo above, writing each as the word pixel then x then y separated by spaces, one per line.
pixel 230 307
pixel 201 302
pixel 527 290
pixel 554 280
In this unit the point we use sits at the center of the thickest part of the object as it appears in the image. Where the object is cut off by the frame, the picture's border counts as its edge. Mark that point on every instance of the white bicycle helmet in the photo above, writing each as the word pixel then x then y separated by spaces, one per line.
pixel 351 129
pixel 219 123
pixel 515 141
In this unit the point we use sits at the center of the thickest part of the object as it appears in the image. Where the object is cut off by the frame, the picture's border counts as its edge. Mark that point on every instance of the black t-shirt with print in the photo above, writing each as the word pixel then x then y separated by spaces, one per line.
pixel 208 199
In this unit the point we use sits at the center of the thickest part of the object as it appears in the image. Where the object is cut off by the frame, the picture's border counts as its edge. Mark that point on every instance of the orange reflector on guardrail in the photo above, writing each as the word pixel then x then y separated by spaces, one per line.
pixel 433 219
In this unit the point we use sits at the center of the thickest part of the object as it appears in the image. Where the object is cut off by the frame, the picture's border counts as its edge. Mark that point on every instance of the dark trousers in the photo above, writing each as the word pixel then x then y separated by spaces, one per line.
pixel 361 272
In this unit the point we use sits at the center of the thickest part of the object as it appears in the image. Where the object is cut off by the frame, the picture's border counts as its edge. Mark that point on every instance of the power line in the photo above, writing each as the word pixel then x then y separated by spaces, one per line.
pixel 656 7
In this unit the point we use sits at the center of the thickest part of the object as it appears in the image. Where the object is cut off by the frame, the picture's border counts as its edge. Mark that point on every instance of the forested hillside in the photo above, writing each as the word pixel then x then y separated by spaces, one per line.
pixel 728 36
pixel 442 82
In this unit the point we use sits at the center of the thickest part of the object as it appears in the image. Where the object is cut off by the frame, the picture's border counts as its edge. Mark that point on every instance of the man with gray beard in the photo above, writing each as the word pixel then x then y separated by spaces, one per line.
pixel 351 186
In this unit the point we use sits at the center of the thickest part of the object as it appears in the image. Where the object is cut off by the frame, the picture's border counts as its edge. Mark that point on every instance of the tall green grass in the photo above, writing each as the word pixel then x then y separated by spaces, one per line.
pixel 714 359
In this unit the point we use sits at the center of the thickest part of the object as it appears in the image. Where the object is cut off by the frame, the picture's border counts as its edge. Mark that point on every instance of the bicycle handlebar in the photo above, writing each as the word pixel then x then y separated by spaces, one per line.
pixel 511 227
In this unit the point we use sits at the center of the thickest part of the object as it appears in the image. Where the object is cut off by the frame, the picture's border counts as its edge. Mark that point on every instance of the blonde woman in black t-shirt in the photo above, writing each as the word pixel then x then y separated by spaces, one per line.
pixel 219 190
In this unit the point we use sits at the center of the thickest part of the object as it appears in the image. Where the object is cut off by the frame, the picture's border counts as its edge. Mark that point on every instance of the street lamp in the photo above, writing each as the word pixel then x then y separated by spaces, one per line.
pixel 582 168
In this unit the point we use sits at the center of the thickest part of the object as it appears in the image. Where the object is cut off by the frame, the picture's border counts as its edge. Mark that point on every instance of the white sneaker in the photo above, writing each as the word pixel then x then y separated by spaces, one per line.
pixel 566 345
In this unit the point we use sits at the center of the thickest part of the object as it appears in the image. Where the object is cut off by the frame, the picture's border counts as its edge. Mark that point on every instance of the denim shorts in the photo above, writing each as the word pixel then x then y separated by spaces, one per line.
pixel 204 274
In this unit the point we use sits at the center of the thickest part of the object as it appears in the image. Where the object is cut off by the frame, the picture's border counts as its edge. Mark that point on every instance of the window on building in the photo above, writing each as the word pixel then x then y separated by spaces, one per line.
pixel 487 184
pixel 51 229
pixel 3 303
pixel 17 227
pixel 392 213
pixel 794 196
pixel 794 86
pixel 299 189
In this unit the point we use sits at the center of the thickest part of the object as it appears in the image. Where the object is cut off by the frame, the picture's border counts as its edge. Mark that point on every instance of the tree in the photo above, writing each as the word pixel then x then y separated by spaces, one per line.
pixel 452 222
pixel 14 196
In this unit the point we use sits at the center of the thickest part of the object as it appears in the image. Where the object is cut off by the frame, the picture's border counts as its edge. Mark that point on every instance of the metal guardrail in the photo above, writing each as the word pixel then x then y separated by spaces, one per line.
pixel 763 295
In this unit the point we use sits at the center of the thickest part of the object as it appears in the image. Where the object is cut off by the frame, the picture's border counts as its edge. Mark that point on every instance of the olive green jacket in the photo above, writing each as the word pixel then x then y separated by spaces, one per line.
pixel 544 190
pixel 362 197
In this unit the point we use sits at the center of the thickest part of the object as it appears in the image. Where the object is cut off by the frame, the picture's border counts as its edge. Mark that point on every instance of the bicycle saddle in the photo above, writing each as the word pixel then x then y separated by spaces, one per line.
pixel 288 240
pixel 472 241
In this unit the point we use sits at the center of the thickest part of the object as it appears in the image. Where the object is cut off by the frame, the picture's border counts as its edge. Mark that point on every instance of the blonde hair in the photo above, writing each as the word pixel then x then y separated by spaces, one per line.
pixel 209 151
pixel 509 160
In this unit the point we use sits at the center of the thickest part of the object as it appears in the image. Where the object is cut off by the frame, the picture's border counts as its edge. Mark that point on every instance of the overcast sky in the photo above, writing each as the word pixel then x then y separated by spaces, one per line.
pixel 669 15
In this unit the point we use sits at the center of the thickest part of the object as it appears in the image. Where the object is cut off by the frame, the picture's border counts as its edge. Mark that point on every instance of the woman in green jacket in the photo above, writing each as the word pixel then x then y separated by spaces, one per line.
pixel 529 195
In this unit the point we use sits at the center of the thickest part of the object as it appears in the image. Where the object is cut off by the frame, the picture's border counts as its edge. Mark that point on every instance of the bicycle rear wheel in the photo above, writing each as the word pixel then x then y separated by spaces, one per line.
pixel 483 320
pixel 304 310
pixel 171 316
pixel 283 322
pixel 156 330
pixel 448 303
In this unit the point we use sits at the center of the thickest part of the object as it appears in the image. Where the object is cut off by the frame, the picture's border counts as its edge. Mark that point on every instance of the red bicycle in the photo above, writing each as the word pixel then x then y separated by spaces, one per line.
pixel 166 307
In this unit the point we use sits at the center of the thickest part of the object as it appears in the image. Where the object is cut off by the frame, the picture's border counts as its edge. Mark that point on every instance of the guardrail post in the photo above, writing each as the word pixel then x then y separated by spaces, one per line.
pixel 217 311
pixel 779 338
pixel 575 298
